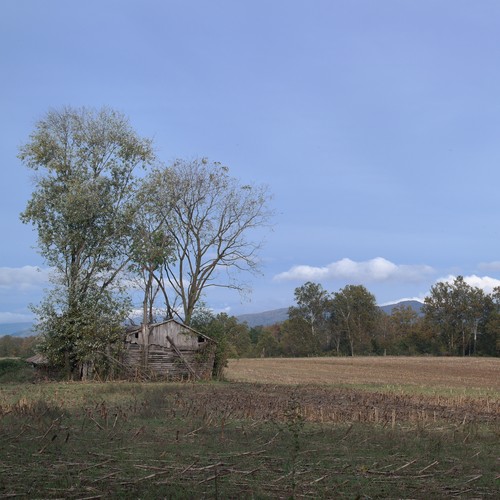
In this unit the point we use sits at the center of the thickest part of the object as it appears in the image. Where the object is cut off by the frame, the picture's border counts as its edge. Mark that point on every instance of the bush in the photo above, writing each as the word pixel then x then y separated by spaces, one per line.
pixel 15 370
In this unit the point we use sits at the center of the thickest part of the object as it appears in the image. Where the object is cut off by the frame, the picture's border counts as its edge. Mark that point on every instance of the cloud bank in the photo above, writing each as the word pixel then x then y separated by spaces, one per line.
pixel 374 270
pixel 485 283
pixel 23 278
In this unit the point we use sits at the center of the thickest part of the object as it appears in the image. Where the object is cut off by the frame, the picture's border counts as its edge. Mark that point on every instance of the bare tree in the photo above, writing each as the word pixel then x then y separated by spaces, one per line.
pixel 208 218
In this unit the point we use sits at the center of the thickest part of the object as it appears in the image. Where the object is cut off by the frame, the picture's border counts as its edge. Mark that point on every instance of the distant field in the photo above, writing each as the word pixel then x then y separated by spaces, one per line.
pixel 473 375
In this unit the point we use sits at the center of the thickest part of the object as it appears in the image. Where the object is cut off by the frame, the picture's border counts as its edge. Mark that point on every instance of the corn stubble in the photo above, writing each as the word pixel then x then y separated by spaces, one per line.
pixel 227 440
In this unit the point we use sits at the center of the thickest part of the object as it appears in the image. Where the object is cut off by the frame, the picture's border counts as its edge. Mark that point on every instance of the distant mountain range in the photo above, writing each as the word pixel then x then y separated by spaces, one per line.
pixel 16 329
pixel 267 318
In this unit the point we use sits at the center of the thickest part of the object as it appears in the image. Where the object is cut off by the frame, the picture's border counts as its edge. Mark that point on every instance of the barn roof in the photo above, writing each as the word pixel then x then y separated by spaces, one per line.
pixel 38 359
pixel 134 328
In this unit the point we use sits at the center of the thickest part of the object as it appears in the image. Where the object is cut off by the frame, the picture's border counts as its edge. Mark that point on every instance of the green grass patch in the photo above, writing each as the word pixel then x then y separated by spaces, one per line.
pixel 125 440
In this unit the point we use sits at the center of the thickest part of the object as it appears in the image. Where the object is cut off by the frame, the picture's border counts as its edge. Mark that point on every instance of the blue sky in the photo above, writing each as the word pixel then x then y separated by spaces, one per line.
pixel 376 125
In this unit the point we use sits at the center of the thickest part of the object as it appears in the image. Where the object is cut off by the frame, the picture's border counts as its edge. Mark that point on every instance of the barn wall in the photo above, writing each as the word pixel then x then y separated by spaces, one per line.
pixel 164 362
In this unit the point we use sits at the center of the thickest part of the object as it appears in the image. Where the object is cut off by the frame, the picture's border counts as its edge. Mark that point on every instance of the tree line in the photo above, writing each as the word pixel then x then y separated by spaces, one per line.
pixel 17 347
pixel 114 221
pixel 456 320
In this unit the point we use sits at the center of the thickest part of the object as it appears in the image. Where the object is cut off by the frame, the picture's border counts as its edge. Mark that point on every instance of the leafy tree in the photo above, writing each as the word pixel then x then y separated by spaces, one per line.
pixel 456 311
pixel 404 318
pixel 269 342
pixel 255 333
pixel 312 308
pixel 383 340
pixel 85 340
pixel 403 323
pixel 208 216
pixel 489 342
pixel 11 346
pixel 28 345
pixel 82 210
pixel 225 330
pixel 356 314
pixel 405 332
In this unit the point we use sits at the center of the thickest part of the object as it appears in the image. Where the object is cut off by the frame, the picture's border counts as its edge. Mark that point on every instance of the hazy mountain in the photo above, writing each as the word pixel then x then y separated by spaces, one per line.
pixel 414 304
pixel 267 318
pixel 16 329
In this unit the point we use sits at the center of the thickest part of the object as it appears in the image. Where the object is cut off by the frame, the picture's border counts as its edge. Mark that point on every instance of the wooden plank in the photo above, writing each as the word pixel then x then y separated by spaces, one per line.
pixel 184 360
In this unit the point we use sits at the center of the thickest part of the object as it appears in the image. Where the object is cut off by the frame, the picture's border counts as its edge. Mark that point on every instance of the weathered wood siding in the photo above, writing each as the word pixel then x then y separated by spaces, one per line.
pixel 163 360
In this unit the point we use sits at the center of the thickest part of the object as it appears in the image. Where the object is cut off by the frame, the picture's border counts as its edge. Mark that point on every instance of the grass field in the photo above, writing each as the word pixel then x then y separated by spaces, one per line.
pixel 315 428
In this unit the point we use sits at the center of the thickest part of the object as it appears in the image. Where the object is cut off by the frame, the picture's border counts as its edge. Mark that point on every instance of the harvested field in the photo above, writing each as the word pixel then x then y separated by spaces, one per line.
pixel 475 375
pixel 339 405
pixel 311 428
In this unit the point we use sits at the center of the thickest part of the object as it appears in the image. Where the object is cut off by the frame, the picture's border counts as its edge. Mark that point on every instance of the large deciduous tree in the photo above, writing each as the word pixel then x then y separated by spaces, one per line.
pixel 208 217
pixel 489 342
pixel 311 316
pixel 312 306
pixel 456 311
pixel 355 314
pixel 81 207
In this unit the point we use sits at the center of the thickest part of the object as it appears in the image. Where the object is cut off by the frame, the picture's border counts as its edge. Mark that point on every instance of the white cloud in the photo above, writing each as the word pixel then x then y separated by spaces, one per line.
pixel 485 283
pixel 374 270
pixel 419 298
pixel 23 278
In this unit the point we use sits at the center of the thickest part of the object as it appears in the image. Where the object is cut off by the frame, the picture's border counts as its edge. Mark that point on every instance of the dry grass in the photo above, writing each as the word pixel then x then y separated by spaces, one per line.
pixel 237 440
pixel 472 375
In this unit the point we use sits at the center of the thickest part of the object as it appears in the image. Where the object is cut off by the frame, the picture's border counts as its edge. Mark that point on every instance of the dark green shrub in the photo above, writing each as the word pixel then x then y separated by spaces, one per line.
pixel 15 370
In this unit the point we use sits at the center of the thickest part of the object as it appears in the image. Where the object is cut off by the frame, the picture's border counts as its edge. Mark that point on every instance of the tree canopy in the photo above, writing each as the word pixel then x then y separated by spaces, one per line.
pixel 81 208
pixel 456 310
pixel 456 319
pixel 356 314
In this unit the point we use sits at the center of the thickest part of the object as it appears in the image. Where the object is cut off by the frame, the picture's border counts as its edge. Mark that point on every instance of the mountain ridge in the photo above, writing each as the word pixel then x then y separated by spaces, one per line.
pixel 16 329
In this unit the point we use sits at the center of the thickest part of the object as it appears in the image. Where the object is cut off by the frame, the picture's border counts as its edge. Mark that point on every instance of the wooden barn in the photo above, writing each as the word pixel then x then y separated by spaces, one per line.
pixel 171 350
pixel 43 369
